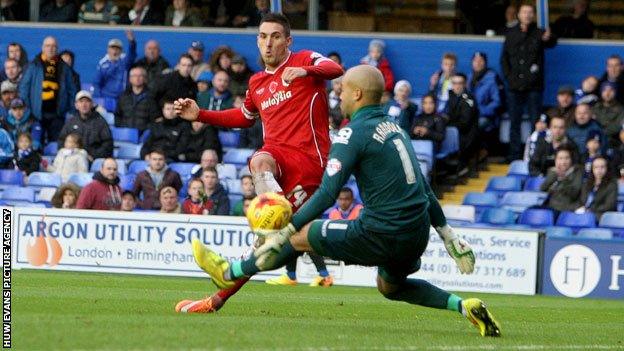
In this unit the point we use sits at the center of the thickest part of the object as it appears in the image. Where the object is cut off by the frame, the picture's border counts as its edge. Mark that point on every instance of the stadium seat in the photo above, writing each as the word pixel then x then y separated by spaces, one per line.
pixel 234 186
pixel 10 177
pixel 533 183
pixel 519 169
pixel 620 192
pixel 99 101
pixel 518 201
pixel 130 135
pixel 502 185
pixel 110 119
pixel 144 136
pixel 129 151
pixel 576 221
pixel 80 179
pixel 229 139
pixel 51 149
pixel 110 104
pixel 126 181
pixel 450 144
pixel 497 216
pixel 234 199
pixel 424 151
pixel 459 213
pixel 18 194
pixel 613 221
pixel 183 168
pixel 137 166
pixel 45 194
pixel 481 201
pixel 595 233
pixel 226 171
pixel 559 232
pixel 97 164
pixel 238 157
pixel 44 179
pixel 424 169
pixel 537 218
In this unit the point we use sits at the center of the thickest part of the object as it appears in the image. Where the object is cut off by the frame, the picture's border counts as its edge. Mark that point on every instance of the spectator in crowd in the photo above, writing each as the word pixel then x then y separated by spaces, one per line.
pixel 20 120
pixel 221 58
pixel 247 190
pixel 177 84
pixel 511 20
pixel 582 126
pixel 99 12
pixel 217 201
pixel 48 89
pixel 333 97
pixel 7 147
pixel 17 52
pixel 487 88
pixel 376 58
pixel 181 14
pixel 247 199
pixel 563 182
pixel 91 126
pixel 219 97
pixel 588 93
pixel 168 198
pixel 144 14
pixel 66 196
pixel 12 72
pixel 68 57
pixel 617 158
pixel 26 159
pixel 599 194
pixel 136 107
pixel 149 181
pixel 565 104
pixel 103 193
pixel 335 56
pixel 428 125
pixel 252 137
pixel 347 208
pixel 400 107
pixel 196 51
pixel 196 201
pixel 209 159
pixel 203 84
pixel 58 11
pixel 609 113
pixel 71 158
pixel 593 146
pixel 112 71
pixel 522 61
pixel 239 74
pixel 463 113
pixel 440 81
pixel 202 136
pixel 170 134
pixel 9 93
pixel 13 10
pixel 128 201
pixel 541 131
pixel 252 13
pixel 543 157
pixel 575 24
pixel 615 74
pixel 153 62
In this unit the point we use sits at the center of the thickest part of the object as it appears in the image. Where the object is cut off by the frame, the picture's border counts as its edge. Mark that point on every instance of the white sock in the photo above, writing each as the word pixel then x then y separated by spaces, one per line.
pixel 265 182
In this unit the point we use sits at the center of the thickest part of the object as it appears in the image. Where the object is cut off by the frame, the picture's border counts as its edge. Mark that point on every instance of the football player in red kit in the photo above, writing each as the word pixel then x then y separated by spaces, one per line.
pixel 290 98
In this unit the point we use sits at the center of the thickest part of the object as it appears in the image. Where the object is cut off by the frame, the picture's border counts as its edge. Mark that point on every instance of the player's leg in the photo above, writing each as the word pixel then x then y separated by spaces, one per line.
pixel 288 278
pixel 264 171
pixel 324 278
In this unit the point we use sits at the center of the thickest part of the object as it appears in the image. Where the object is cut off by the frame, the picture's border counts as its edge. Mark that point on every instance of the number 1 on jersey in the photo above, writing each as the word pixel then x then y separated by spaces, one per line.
pixel 408 167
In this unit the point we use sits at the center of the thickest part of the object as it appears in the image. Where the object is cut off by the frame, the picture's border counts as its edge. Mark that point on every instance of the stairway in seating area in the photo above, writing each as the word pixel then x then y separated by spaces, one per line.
pixel 474 185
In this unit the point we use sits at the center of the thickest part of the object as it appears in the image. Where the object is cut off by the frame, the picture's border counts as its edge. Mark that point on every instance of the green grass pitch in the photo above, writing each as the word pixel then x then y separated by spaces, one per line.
pixel 67 311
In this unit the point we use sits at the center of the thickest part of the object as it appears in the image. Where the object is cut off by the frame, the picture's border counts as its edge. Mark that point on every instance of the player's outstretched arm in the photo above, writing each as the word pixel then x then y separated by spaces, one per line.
pixel 231 118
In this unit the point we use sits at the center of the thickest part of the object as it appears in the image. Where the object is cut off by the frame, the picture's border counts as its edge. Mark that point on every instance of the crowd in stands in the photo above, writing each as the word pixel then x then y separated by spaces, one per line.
pixel 577 144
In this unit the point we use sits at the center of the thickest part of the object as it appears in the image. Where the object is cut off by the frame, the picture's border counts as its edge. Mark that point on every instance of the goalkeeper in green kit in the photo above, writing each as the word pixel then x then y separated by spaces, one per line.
pixel 392 230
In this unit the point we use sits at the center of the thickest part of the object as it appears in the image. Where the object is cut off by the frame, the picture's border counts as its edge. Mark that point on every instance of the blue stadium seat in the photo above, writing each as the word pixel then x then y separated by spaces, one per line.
pixel 498 216
pixel 576 221
pixel 595 233
pixel 183 193
pixel 502 185
pixel 533 183
pixel 518 201
pixel 129 151
pixel 110 119
pixel 97 164
pixel 15 195
pixel 450 144
pixel 110 104
pixel 559 232
pixel 100 101
pixel 459 214
pixel 620 192
pixel 613 221
pixel 51 149
pixel 80 179
pixel 229 139
pixel 238 157
pixel 44 179
pixel 481 201
pixel 234 186
pixel 146 133
pixel 620 207
pixel 130 135
pixel 126 181
pixel 424 151
pixel 519 169
pixel 234 199
pixel 137 166
pixel 226 171
pixel 538 218
pixel 45 195
pixel 11 177
pixel 183 168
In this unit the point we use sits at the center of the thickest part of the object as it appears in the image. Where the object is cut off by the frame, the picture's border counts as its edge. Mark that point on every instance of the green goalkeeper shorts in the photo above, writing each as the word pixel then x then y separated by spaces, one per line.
pixel 397 255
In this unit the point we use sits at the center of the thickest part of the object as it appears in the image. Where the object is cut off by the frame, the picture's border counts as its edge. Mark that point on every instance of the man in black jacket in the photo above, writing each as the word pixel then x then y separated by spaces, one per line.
pixel 153 62
pixel 463 113
pixel 170 134
pixel 544 155
pixel 136 107
pixel 522 61
pixel 91 126
pixel 615 74
pixel 202 136
pixel 177 84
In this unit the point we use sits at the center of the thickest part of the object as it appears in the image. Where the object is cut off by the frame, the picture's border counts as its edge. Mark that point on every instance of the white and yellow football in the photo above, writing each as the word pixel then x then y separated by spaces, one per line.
pixel 269 211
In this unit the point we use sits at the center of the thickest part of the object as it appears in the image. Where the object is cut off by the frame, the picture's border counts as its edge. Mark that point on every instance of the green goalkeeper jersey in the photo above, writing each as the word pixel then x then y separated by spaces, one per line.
pixel 380 155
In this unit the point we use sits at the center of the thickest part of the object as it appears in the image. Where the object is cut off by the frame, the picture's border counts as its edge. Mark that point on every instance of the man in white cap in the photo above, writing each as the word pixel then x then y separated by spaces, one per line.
pixel 112 70
pixel 8 91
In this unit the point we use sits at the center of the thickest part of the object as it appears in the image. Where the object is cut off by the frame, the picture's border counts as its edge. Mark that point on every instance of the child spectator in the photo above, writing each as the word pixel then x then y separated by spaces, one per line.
pixel 128 201
pixel 541 131
pixel 429 125
pixel 593 147
pixel 563 182
pixel 197 201
pixel 6 149
pixel 401 108
pixel 20 120
pixel 203 84
pixel 347 208
pixel 376 58
pixel 440 81
pixel 66 196
pixel 168 197
pixel 248 189
pixel 72 158
pixel 217 201
pixel 588 92
pixel 26 159
pixel 600 191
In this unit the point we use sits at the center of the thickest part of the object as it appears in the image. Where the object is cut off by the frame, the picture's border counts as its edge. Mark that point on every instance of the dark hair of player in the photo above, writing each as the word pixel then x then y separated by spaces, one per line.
pixel 277 18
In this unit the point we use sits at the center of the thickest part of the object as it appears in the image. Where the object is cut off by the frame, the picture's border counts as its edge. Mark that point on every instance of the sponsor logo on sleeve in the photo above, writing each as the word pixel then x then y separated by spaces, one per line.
pixel 333 166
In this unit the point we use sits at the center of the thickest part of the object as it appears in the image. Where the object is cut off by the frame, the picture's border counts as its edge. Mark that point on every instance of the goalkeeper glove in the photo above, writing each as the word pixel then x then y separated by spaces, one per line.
pixel 267 253
pixel 458 249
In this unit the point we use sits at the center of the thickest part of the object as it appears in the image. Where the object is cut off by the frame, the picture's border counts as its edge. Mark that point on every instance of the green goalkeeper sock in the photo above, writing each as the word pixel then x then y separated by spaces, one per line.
pixel 421 292
pixel 247 268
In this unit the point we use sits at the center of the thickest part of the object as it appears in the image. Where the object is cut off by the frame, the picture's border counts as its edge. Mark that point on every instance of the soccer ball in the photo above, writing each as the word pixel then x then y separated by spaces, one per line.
pixel 269 211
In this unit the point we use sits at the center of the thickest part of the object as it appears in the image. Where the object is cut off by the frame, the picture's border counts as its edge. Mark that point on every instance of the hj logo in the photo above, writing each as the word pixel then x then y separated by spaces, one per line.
pixel 575 270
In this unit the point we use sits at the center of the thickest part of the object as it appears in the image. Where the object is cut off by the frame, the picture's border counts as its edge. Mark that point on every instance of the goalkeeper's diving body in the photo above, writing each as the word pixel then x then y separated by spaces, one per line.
pixel 392 230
